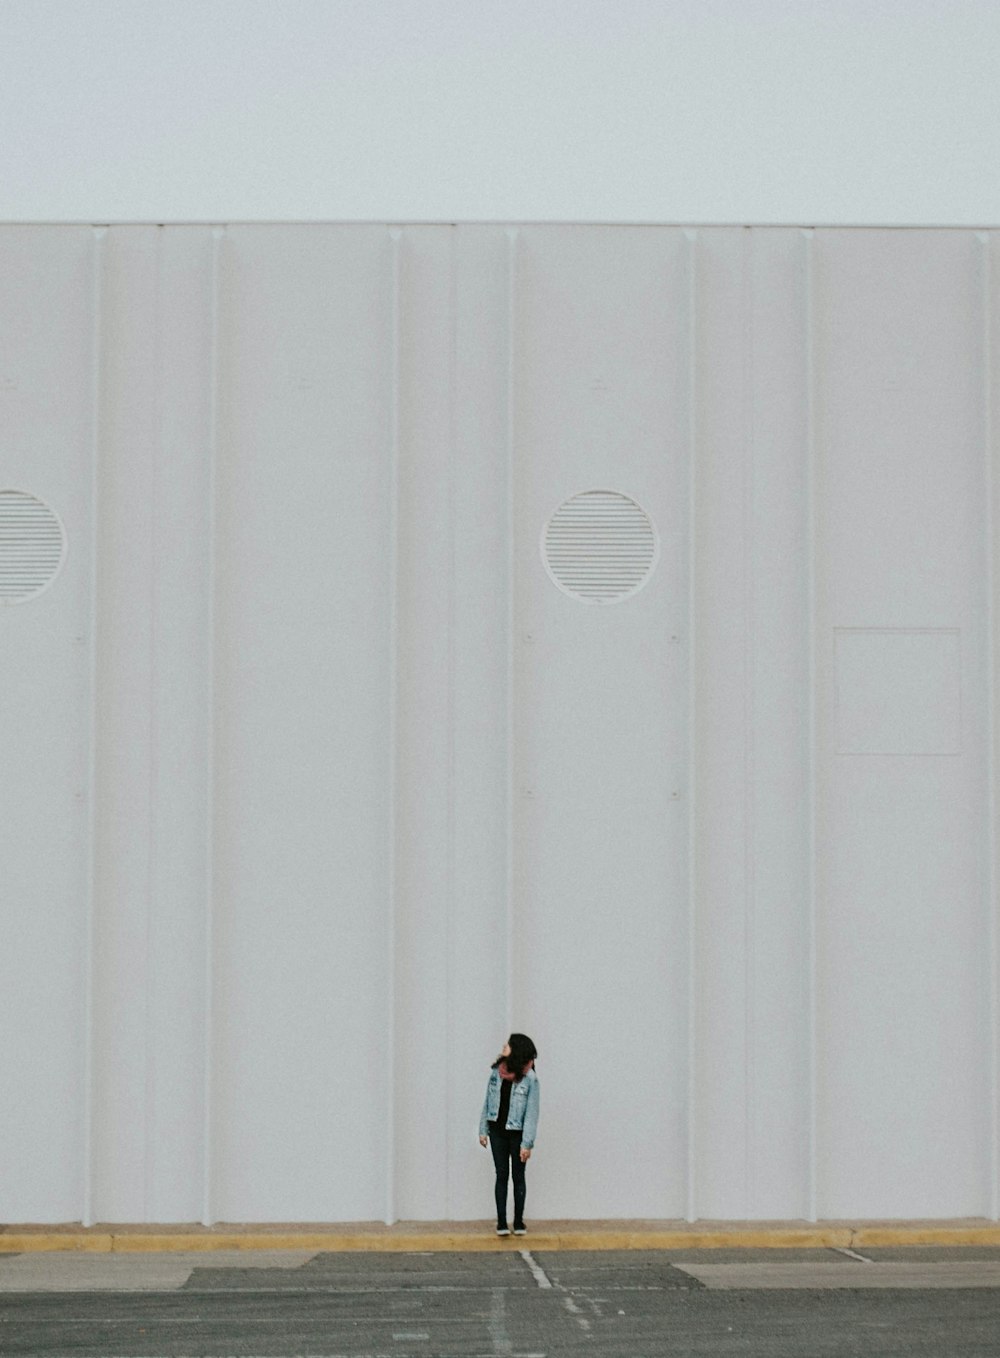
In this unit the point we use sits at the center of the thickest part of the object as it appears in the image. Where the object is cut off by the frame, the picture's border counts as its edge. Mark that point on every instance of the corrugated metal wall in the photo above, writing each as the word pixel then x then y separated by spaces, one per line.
pixel 315 783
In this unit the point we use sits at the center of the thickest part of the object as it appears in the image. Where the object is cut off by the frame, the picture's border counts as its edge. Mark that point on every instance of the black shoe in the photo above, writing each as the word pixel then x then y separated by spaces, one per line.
pixel 519 1228
pixel 503 1230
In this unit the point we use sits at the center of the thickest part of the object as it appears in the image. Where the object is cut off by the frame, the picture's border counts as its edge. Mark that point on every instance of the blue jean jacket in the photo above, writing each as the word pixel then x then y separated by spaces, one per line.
pixel 523 1115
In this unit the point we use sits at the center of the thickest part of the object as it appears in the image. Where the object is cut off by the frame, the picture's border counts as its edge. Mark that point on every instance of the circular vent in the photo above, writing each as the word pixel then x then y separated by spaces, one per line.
pixel 32 544
pixel 600 546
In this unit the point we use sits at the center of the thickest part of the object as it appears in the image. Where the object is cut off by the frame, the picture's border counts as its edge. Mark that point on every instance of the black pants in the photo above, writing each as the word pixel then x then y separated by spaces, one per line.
pixel 506 1148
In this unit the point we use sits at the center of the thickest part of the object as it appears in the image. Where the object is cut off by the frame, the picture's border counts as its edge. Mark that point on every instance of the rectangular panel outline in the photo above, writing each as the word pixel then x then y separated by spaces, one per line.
pixel 903 754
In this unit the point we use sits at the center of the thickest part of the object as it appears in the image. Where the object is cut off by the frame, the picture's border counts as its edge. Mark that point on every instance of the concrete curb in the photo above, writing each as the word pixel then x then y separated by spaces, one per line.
pixel 477 1239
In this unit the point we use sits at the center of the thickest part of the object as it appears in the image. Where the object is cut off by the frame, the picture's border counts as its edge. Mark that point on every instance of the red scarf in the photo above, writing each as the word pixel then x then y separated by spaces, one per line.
pixel 506 1074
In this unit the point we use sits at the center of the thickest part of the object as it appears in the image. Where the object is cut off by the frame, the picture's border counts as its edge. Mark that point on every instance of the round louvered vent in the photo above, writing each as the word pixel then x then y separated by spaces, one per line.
pixel 599 546
pixel 32 544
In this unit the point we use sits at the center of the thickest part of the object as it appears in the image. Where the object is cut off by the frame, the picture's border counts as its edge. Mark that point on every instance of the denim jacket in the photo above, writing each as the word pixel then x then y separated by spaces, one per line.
pixel 523 1115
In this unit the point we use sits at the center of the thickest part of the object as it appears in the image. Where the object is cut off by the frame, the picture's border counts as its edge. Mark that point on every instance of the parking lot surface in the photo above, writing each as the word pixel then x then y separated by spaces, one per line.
pixel 914 1302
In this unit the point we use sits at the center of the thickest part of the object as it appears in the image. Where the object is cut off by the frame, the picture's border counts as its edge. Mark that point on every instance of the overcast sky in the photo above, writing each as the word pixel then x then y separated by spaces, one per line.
pixel 804 111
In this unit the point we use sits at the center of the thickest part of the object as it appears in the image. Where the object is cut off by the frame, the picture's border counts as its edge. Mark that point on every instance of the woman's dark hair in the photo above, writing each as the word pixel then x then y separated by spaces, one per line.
pixel 522 1050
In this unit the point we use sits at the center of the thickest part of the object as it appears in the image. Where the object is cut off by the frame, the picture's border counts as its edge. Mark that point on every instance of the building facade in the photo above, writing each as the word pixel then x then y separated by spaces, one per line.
pixel 412 633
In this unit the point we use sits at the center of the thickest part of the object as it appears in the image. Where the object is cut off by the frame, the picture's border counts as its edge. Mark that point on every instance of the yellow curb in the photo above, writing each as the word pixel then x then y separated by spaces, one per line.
pixel 783 1239
pixel 12 1243
pixel 479 1240
pixel 821 1238
pixel 135 1242
pixel 301 1240
pixel 875 1236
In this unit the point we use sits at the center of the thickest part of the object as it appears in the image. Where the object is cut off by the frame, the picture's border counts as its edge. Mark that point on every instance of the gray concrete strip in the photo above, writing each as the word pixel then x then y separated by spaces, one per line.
pixel 75 1272
pixel 824 1275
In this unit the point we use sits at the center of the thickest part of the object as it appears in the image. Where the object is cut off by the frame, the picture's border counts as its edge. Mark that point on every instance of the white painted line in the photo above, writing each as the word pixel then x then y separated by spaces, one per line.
pixel 577 1314
pixel 537 1272
pixel 853 1254
pixel 502 1346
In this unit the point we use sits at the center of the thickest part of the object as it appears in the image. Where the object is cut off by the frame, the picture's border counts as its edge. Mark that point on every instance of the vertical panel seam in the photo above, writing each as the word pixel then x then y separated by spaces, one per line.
pixel 692 752
pixel 97 263
pixel 395 237
pixel 156 454
pixel 208 1071
pixel 749 735
pixel 450 704
pixel 811 757
pixel 512 237
pixel 991 483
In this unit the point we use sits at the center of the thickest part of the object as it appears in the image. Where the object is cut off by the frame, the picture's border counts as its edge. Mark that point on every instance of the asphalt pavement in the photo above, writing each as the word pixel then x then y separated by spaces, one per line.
pixel 910 1302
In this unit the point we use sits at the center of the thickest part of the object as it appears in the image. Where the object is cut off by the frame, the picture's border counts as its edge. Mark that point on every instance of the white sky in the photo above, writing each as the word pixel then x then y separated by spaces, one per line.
pixel 807 111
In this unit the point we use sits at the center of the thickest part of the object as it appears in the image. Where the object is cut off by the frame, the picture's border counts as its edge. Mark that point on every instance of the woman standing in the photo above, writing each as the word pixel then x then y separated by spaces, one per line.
pixel 509 1121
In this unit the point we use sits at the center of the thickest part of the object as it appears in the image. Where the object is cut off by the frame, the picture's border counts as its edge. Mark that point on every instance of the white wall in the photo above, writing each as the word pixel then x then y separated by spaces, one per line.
pixel 316 784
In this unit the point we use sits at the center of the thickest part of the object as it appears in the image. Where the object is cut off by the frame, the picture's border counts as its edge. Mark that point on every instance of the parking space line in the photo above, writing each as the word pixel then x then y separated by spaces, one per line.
pixel 502 1345
pixel 577 1315
pixel 537 1272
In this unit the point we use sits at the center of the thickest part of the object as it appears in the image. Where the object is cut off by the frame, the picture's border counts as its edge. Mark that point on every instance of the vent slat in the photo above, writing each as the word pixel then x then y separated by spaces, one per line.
pixel 599 546
pixel 32 545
